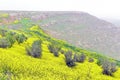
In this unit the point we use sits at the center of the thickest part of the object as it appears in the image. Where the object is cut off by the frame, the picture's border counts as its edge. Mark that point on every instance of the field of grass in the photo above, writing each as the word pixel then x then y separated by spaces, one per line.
pixel 16 64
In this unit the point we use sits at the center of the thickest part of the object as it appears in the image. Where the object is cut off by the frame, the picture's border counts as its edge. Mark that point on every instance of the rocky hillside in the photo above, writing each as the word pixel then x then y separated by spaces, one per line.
pixel 84 30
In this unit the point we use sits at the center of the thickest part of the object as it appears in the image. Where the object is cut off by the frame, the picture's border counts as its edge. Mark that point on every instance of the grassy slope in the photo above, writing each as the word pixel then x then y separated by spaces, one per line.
pixel 19 66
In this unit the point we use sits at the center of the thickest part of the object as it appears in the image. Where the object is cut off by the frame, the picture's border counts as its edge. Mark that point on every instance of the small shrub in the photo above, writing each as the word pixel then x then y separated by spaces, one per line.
pixel 54 49
pixel 20 38
pixel 3 32
pixel 113 67
pixel 62 51
pixel 68 59
pixel 56 53
pixel 4 43
pixel 108 67
pixel 35 50
pixel 79 57
pixel 91 60
pixel 82 58
pixel 100 61
pixel 75 57
pixel 50 47
pixel 11 39
pixel 29 50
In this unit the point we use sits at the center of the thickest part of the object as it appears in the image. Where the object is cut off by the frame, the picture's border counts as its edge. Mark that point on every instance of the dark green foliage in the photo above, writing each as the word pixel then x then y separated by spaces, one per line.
pixel 53 48
pixel 35 50
pixel 29 50
pixel 113 67
pixel 117 62
pixel 91 60
pixel 3 32
pixel 100 61
pixel 108 67
pixel 11 33
pixel 8 40
pixel 62 51
pixel 75 57
pixel 56 53
pixel 68 59
pixel 79 57
pixel 20 38
pixel 82 58
pixel 4 43
pixel 10 37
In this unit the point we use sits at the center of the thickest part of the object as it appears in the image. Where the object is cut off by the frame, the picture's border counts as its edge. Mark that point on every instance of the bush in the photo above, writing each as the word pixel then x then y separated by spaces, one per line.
pixel 3 32
pixel 29 50
pixel 8 40
pixel 20 38
pixel 11 39
pixel 50 47
pixel 100 61
pixel 35 50
pixel 113 67
pixel 54 49
pixel 91 60
pixel 62 51
pixel 4 43
pixel 68 59
pixel 108 67
pixel 56 53
pixel 75 57
pixel 79 57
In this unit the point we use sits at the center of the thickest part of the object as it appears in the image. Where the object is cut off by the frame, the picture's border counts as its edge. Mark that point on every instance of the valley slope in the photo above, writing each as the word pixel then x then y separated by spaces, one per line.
pixel 78 28
pixel 21 58
pixel 16 64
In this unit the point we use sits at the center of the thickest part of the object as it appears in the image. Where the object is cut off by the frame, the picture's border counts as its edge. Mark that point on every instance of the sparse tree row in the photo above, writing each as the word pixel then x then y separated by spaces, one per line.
pixel 108 66
pixel 70 59
pixel 8 38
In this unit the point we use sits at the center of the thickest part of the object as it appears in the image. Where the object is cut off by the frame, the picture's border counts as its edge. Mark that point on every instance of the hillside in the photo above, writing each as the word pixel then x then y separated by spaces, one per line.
pixel 84 30
pixel 16 64
pixel 114 21
pixel 28 53
pixel 78 28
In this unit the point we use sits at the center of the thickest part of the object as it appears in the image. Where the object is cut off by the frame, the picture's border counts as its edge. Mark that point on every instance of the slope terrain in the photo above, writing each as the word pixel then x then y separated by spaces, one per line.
pixel 16 64
pixel 78 28
pixel 84 30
